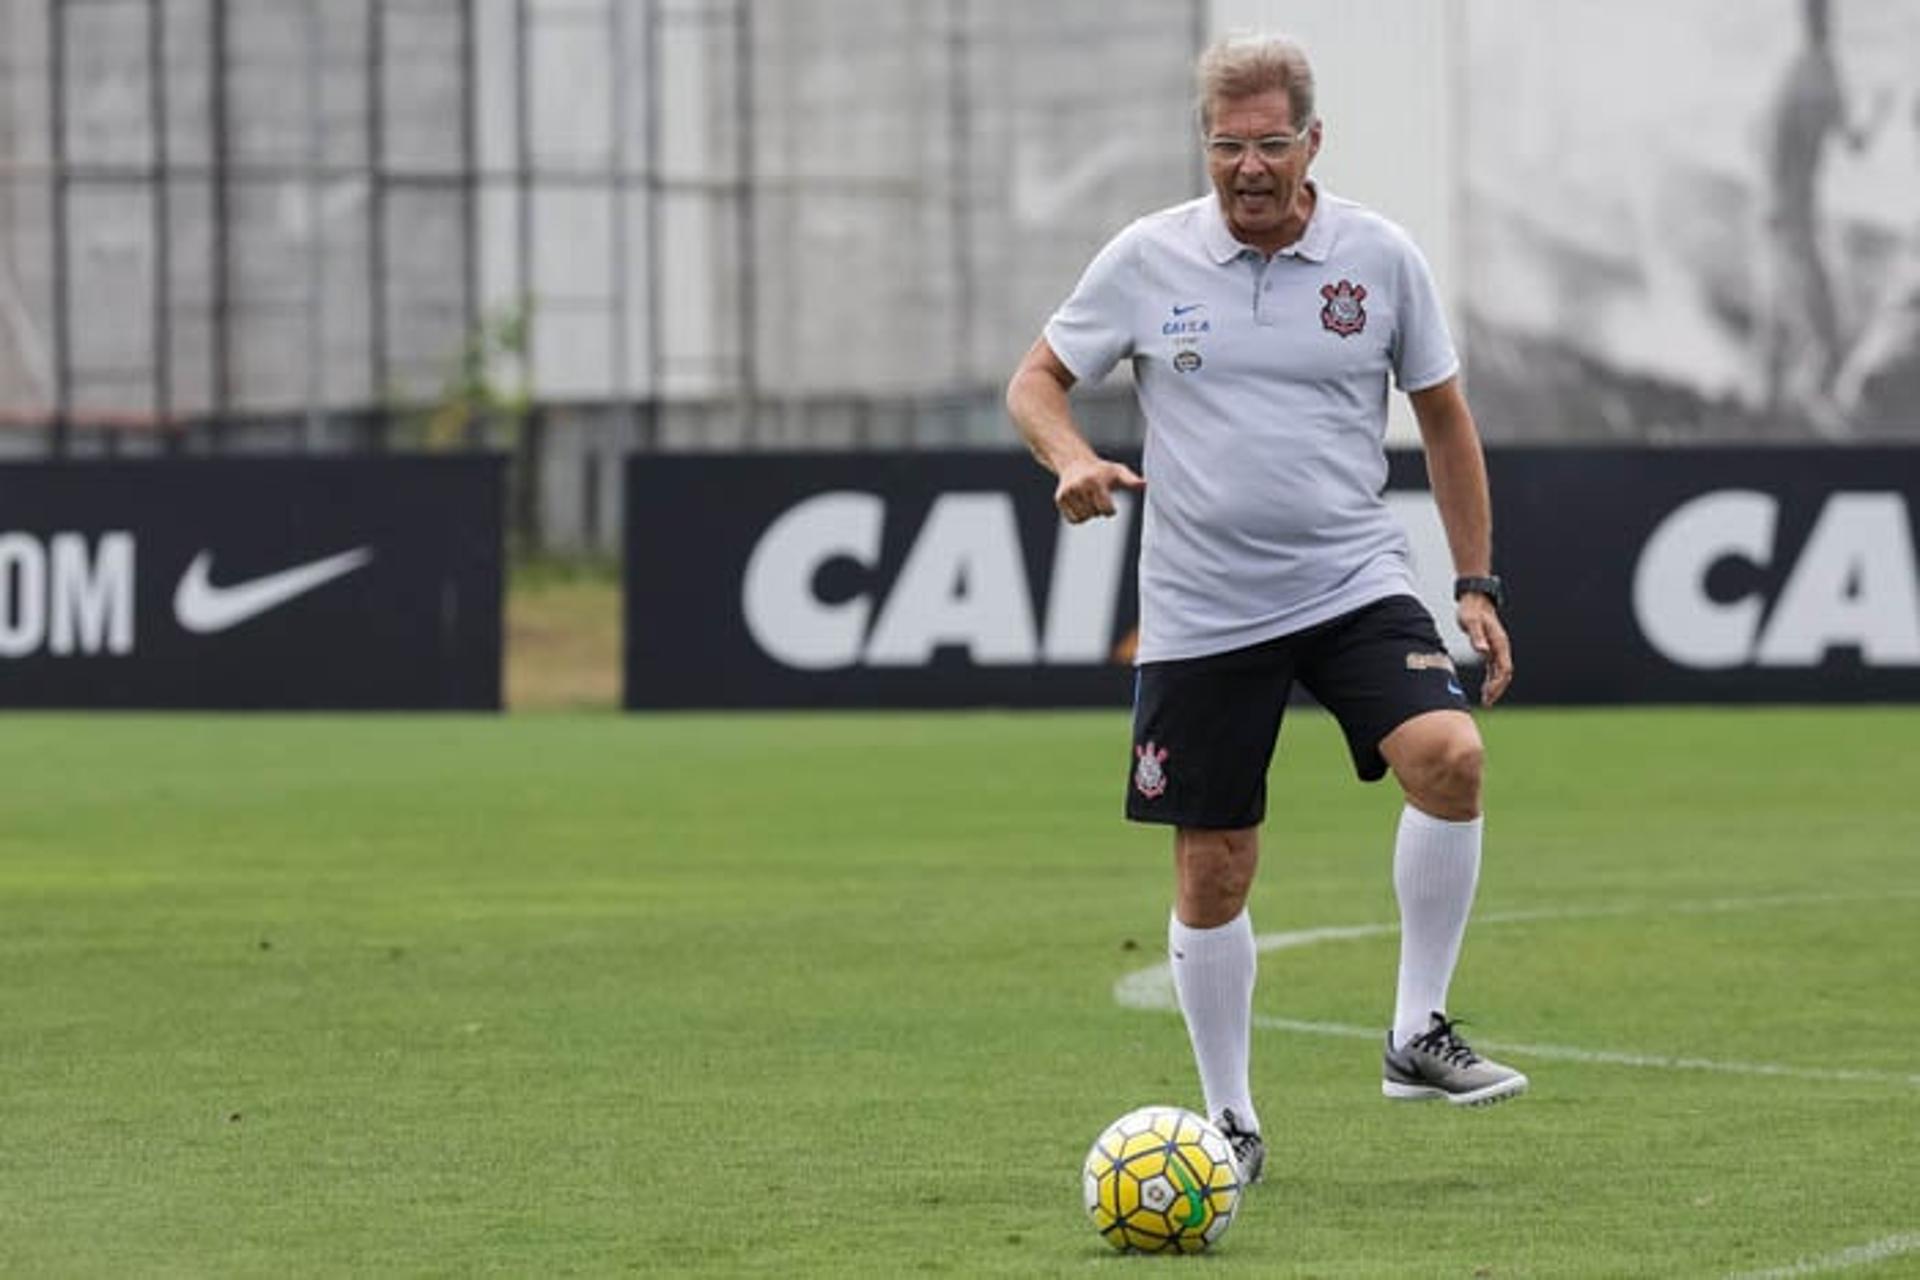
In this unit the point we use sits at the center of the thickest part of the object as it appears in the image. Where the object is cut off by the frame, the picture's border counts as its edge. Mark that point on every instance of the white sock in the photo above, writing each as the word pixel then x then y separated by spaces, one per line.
pixel 1435 866
pixel 1213 971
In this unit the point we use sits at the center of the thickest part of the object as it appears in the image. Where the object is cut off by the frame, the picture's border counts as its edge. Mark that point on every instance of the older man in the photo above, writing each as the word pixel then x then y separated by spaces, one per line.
pixel 1263 322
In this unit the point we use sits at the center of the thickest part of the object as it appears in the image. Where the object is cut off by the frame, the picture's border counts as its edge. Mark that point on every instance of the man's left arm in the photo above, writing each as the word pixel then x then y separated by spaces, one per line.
pixel 1457 470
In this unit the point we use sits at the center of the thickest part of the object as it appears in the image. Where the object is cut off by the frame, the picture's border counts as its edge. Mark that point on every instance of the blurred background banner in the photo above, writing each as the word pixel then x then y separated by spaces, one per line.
pixel 1726 250
pixel 917 580
pixel 1711 575
pixel 947 579
pixel 262 583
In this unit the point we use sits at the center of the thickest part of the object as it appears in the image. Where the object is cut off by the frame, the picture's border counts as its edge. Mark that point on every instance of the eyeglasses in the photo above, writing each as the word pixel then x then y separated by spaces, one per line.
pixel 1272 148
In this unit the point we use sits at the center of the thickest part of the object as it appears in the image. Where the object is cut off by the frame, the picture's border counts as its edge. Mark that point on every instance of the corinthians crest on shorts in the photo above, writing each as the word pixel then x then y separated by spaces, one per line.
pixel 1344 313
pixel 1149 779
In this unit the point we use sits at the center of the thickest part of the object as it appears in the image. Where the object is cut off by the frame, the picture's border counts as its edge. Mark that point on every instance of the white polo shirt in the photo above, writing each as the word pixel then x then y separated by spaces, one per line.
pixel 1264 384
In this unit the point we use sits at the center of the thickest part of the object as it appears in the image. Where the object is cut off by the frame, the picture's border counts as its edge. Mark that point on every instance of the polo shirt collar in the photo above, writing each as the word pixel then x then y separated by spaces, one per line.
pixel 1314 244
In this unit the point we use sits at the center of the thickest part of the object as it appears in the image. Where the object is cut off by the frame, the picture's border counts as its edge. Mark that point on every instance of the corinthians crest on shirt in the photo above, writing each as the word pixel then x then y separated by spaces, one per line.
pixel 1345 312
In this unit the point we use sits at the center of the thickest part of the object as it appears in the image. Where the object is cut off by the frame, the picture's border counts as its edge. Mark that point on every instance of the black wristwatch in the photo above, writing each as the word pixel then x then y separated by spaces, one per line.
pixel 1489 586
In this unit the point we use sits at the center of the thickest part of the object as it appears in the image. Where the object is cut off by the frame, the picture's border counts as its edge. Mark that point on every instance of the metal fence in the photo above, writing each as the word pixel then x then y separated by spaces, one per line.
pixel 691 223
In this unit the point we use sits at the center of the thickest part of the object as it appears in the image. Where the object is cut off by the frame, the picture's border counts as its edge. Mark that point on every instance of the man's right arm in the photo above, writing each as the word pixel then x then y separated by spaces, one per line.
pixel 1038 403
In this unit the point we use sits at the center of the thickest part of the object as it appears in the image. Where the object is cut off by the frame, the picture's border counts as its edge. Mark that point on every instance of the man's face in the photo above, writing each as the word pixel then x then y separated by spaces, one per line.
pixel 1258 161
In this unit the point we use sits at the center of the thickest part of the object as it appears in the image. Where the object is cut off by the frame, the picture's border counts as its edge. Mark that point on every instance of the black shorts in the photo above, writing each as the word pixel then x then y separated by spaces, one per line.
pixel 1204 729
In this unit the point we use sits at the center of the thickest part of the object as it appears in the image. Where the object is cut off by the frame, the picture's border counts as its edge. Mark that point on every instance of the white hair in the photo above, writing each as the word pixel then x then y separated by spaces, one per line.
pixel 1244 64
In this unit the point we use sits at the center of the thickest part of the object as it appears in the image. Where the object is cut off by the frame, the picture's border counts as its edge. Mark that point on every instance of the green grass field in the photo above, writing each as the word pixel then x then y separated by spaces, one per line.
pixel 835 995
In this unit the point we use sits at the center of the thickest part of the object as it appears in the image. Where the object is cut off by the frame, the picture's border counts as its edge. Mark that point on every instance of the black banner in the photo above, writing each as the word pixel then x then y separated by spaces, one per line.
pixel 1711 575
pixel 929 580
pixel 258 583
pixel 942 580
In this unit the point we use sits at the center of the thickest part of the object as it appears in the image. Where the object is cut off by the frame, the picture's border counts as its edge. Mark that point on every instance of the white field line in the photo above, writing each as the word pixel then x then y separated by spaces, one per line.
pixel 1860 1255
pixel 1152 987
pixel 1568 1053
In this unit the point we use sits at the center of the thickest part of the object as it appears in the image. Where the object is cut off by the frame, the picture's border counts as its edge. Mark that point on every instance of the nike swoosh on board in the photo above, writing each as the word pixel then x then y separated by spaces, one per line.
pixel 202 608
pixel 1048 184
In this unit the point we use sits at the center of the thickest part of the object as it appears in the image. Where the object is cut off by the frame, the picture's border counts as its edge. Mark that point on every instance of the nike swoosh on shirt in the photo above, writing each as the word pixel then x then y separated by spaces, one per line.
pixel 204 609
pixel 1191 306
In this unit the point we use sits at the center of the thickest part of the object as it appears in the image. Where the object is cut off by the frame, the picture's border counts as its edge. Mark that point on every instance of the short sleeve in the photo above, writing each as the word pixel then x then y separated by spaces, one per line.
pixel 1092 331
pixel 1423 354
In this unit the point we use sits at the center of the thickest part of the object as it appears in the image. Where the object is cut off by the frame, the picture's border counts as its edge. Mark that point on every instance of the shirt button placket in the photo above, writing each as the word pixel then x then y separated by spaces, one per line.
pixel 1262 287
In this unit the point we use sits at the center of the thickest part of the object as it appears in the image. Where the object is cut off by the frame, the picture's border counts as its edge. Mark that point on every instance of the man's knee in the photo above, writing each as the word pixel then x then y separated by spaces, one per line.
pixel 1214 871
pixel 1451 779
pixel 1440 766
pixel 1460 767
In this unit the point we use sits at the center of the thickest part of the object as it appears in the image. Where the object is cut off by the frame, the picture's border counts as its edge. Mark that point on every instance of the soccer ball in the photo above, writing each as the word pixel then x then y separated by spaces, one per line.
pixel 1161 1180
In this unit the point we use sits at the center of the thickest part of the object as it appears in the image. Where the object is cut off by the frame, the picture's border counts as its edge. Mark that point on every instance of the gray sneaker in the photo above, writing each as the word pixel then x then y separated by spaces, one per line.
pixel 1437 1063
pixel 1249 1150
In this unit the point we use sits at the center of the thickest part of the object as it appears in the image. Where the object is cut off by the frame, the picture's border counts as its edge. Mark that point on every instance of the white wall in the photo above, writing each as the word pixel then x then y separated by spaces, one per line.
pixel 1386 79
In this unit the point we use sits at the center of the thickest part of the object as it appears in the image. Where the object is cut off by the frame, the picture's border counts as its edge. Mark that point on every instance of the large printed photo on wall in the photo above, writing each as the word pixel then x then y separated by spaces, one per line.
pixel 1693 222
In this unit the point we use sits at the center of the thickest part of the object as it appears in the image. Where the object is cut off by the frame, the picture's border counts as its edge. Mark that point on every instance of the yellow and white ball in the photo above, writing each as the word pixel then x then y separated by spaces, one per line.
pixel 1161 1180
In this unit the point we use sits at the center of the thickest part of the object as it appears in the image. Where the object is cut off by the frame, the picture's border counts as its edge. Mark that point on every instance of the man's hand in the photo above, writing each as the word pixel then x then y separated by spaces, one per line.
pixel 1481 621
pixel 1086 488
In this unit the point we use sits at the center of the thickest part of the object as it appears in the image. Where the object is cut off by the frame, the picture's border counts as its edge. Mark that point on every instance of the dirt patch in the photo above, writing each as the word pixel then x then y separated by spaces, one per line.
pixel 563 643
